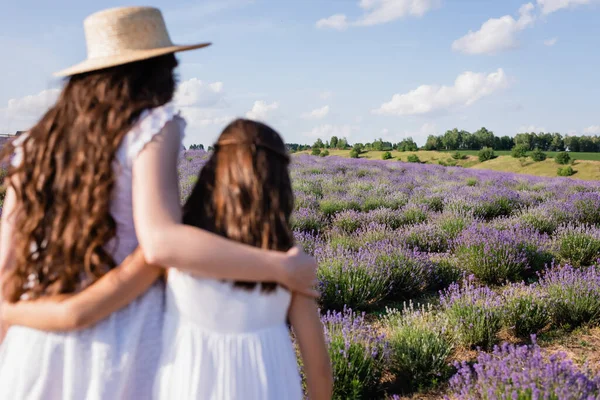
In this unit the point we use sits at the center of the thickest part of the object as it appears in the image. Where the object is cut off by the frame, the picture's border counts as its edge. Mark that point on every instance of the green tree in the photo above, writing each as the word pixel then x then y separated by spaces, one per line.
pixel 342 143
pixel 572 142
pixel 316 151
pixel 407 144
pixel 318 144
pixel 324 153
pixel 565 171
pixel 557 143
pixel 433 143
pixel 484 137
pixel 485 154
pixel 538 155
pixel 520 150
pixel 386 156
pixel 563 158
pixel 334 142
pixel 413 158
pixel 354 153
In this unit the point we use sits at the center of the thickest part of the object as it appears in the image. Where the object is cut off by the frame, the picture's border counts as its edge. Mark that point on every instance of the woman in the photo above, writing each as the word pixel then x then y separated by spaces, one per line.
pixel 221 339
pixel 82 194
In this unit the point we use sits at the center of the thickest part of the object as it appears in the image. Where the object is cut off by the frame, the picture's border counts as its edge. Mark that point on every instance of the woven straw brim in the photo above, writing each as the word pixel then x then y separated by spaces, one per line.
pixel 96 64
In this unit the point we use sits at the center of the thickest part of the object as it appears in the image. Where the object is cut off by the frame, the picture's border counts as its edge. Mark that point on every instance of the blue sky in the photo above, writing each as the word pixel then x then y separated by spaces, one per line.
pixel 355 68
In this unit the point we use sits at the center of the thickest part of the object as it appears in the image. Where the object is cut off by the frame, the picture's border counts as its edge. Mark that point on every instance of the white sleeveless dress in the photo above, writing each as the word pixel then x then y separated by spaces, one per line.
pixel 118 357
pixel 221 342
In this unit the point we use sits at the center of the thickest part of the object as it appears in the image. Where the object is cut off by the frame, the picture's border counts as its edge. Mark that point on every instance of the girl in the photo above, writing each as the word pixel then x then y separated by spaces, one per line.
pixel 95 176
pixel 222 339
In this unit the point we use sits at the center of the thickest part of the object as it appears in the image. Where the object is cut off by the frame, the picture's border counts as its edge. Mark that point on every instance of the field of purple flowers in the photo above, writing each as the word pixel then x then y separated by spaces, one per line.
pixel 420 264
pixel 436 281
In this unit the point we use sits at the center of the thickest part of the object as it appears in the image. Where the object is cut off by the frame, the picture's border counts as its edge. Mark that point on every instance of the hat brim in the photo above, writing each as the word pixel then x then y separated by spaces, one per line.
pixel 95 64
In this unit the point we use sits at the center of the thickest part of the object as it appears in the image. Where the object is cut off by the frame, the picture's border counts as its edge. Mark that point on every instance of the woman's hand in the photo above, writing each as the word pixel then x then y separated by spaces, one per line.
pixel 300 272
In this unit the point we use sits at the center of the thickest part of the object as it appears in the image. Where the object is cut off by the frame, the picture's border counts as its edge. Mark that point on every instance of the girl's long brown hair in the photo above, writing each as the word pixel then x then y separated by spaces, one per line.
pixel 244 192
pixel 65 182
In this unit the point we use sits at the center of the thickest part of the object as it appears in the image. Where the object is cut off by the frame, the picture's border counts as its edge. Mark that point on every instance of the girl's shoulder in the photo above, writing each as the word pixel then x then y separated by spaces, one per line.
pixel 148 125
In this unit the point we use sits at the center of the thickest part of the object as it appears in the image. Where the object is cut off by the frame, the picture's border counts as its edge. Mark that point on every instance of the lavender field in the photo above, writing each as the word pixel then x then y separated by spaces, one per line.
pixel 425 270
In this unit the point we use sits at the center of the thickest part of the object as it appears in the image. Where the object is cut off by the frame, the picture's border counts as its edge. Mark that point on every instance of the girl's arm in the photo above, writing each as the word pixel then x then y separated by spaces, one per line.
pixel 166 241
pixel 304 317
pixel 113 291
pixel 7 255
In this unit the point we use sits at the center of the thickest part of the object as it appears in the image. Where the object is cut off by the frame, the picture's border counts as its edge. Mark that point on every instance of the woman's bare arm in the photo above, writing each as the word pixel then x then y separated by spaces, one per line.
pixel 304 317
pixel 113 291
pixel 7 254
pixel 166 241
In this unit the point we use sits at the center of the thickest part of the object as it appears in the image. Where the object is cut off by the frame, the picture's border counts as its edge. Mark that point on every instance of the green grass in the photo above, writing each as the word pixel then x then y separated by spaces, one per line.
pixel 586 165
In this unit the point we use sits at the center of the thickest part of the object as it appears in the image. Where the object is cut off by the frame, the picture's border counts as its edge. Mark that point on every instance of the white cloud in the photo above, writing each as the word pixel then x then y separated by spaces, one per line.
pixel 197 93
pixel 326 131
pixel 468 88
pixel 260 110
pixel 531 128
pixel 326 95
pixel 318 113
pixel 22 113
pixel 376 12
pixel 337 21
pixel 384 11
pixel 550 42
pixel 550 6
pixel 496 34
pixel 592 130
pixel 33 105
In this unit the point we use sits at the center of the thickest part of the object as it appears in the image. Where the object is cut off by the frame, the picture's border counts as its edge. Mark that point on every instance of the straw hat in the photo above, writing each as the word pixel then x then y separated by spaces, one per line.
pixel 122 35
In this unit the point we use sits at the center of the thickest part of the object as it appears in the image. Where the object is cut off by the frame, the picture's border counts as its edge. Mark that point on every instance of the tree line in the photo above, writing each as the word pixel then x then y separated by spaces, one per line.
pixel 463 140
pixel 456 140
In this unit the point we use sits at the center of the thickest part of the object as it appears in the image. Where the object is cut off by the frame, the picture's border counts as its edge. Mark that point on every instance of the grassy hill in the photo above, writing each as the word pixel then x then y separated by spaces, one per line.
pixel 586 165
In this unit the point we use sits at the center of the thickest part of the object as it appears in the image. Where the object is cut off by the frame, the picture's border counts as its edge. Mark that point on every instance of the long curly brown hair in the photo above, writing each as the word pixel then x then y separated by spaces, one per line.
pixel 65 181
pixel 244 191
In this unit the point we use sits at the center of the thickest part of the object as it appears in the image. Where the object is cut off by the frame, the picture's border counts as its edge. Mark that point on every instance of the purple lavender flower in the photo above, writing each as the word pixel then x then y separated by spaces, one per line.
pixel 522 372
pixel 358 354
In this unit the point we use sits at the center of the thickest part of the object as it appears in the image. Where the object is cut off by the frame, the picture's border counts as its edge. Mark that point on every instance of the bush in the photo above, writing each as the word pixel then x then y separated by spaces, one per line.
pixel 474 311
pixel 332 205
pixel 494 256
pixel 485 154
pixel 386 156
pixel 413 158
pixel 519 151
pixel 324 153
pixel 420 347
pixel 574 295
pixel 410 270
pixel 358 355
pixel 386 216
pixel 565 171
pixel 352 278
pixel 537 155
pixel 525 310
pixel 459 156
pixel 563 158
pixel 523 373
pixel 426 237
pixel 354 153
pixel 577 244
pixel 307 220
pixel 348 221
pixel 315 151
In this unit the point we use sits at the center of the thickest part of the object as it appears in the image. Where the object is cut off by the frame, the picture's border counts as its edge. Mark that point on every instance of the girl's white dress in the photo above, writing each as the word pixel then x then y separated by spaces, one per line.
pixel 222 342
pixel 117 358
